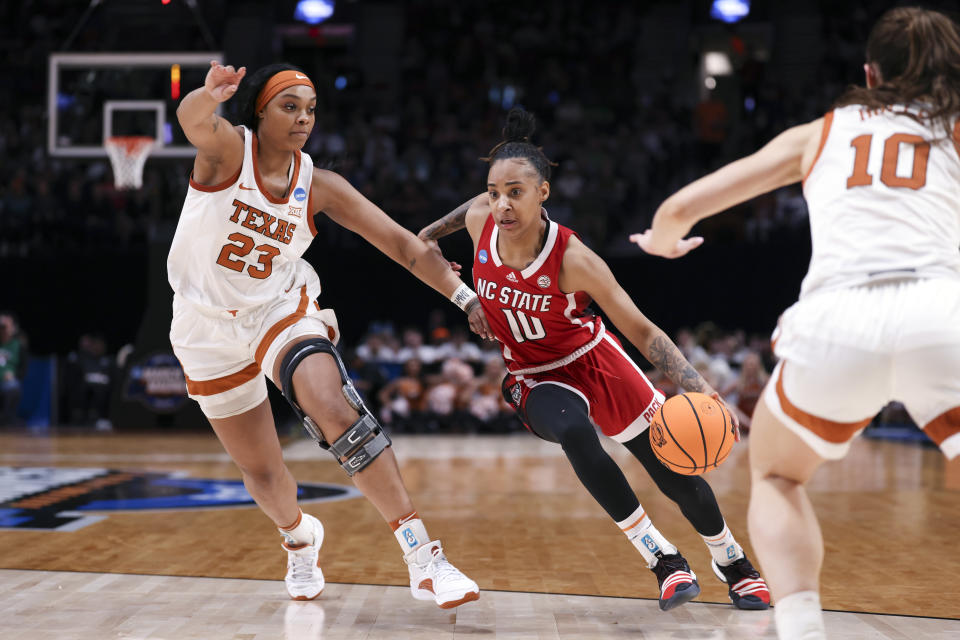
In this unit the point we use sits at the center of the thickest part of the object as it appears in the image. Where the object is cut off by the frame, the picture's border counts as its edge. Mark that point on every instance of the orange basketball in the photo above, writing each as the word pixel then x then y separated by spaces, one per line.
pixel 691 433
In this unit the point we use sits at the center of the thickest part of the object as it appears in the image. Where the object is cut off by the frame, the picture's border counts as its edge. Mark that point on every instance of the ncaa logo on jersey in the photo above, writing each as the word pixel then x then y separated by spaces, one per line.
pixel 482 256
pixel 543 281
pixel 299 194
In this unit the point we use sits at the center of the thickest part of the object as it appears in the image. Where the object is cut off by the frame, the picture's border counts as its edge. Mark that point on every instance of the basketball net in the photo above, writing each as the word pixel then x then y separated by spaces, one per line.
pixel 127 156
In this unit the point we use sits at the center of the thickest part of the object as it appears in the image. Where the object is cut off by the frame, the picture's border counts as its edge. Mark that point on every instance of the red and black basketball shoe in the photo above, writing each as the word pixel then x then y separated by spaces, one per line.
pixel 678 584
pixel 747 588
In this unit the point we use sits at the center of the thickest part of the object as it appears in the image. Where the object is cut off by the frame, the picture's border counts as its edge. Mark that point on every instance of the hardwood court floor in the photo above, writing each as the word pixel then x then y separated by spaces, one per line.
pixel 512 515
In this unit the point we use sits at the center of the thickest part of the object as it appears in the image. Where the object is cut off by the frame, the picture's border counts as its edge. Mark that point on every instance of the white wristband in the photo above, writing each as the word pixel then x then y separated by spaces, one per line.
pixel 463 296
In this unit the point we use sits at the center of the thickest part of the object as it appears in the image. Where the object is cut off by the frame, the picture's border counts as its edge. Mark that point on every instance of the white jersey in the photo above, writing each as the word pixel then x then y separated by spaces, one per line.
pixel 884 200
pixel 236 245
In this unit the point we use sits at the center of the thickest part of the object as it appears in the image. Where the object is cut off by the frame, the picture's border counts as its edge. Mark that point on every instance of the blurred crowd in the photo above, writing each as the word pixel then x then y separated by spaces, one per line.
pixel 621 112
pixel 439 380
pixel 626 127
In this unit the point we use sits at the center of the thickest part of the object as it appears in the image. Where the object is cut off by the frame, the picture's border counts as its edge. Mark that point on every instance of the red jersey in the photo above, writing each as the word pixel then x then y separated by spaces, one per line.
pixel 539 326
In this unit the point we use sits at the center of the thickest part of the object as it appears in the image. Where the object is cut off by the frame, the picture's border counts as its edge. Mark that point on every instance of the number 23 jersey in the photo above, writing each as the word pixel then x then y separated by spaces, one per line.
pixel 236 245
pixel 537 324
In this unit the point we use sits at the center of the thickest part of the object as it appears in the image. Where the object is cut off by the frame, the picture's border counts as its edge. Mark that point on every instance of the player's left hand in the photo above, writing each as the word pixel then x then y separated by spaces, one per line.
pixel 683 247
pixel 730 412
pixel 478 320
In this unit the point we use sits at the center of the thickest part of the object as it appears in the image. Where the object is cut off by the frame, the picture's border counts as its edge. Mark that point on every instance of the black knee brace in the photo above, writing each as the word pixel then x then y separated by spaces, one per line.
pixel 365 439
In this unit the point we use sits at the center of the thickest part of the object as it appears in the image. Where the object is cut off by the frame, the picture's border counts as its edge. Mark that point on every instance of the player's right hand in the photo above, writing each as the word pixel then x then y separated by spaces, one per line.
pixel 435 247
pixel 683 247
pixel 222 81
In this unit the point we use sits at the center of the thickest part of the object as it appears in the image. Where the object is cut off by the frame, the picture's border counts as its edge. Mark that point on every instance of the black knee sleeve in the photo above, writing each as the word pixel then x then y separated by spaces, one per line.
pixel 559 415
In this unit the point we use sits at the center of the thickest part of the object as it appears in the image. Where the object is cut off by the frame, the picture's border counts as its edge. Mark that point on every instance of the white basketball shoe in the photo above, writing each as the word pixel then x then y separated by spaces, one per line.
pixel 432 577
pixel 304 578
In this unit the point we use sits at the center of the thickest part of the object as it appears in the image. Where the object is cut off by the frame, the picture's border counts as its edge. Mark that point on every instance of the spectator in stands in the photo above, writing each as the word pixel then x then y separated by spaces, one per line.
pixel 401 400
pixel 88 378
pixel 444 412
pixel 459 346
pixel 13 367
pixel 414 348
pixel 376 348
pixel 744 391
pixel 484 401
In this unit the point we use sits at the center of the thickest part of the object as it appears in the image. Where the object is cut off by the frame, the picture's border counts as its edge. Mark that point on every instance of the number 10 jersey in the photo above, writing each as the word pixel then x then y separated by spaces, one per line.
pixel 539 326
pixel 236 245
pixel 884 199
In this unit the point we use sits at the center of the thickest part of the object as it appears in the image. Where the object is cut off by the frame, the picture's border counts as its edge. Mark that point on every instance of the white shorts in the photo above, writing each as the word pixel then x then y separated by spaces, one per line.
pixel 844 354
pixel 225 356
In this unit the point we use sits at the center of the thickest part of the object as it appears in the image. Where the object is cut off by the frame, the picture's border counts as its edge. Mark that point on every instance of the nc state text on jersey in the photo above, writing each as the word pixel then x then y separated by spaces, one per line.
pixel 513 297
pixel 262 222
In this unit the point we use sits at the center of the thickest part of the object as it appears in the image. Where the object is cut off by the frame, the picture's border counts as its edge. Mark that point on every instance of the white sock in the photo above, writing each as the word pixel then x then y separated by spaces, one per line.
pixel 645 537
pixel 410 532
pixel 799 617
pixel 300 533
pixel 723 547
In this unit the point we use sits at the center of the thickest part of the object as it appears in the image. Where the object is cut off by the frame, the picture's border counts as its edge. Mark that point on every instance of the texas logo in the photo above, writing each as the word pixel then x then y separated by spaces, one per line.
pixel 67 499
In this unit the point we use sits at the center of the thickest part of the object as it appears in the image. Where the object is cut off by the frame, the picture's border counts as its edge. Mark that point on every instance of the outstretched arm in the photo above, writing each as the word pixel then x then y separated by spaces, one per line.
pixel 781 162
pixel 346 206
pixel 584 270
pixel 219 145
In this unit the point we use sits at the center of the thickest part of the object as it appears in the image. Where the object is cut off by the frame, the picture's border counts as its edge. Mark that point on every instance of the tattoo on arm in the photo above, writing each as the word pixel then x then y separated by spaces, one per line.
pixel 453 221
pixel 412 264
pixel 665 355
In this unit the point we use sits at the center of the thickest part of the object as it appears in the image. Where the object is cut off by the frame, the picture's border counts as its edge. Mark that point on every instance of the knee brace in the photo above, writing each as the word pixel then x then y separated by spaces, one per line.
pixel 360 444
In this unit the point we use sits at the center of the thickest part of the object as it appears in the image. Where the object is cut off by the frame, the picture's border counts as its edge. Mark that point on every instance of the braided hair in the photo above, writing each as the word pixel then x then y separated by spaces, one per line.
pixel 516 143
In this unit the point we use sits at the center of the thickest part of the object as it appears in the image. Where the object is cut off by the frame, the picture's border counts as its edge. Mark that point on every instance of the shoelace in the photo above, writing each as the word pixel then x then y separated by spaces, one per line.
pixel 440 567
pixel 301 567
pixel 743 570
pixel 669 564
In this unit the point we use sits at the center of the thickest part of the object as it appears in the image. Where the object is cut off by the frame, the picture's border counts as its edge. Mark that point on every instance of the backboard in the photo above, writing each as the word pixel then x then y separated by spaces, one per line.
pixel 91 96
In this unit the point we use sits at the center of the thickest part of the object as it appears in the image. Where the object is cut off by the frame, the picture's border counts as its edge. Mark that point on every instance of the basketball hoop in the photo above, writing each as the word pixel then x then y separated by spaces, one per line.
pixel 127 156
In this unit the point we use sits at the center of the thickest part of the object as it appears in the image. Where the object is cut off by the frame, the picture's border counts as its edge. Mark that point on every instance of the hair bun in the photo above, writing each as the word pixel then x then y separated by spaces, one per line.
pixel 520 126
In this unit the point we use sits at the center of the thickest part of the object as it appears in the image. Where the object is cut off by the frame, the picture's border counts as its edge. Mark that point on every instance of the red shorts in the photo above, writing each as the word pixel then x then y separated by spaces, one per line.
pixel 620 399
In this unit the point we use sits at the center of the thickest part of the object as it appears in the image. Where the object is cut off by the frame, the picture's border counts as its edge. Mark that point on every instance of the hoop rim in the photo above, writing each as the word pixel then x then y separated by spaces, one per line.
pixel 129 144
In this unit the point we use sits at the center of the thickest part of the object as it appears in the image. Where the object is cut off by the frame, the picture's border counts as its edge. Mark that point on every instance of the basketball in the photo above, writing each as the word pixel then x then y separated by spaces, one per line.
pixel 691 434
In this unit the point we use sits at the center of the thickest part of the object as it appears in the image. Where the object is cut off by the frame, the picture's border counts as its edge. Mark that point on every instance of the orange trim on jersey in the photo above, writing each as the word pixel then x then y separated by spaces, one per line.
pixel 943 426
pixel 835 432
pixel 293 180
pixel 219 385
pixel 642 516
pixel 310 221
pixel 956 137
pixel 216 187
pixel 827 121
pixel 275 330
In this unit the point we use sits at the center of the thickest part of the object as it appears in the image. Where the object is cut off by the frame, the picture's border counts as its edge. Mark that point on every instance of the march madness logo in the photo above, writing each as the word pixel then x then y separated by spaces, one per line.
pixel 158 382
pixel 64 499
